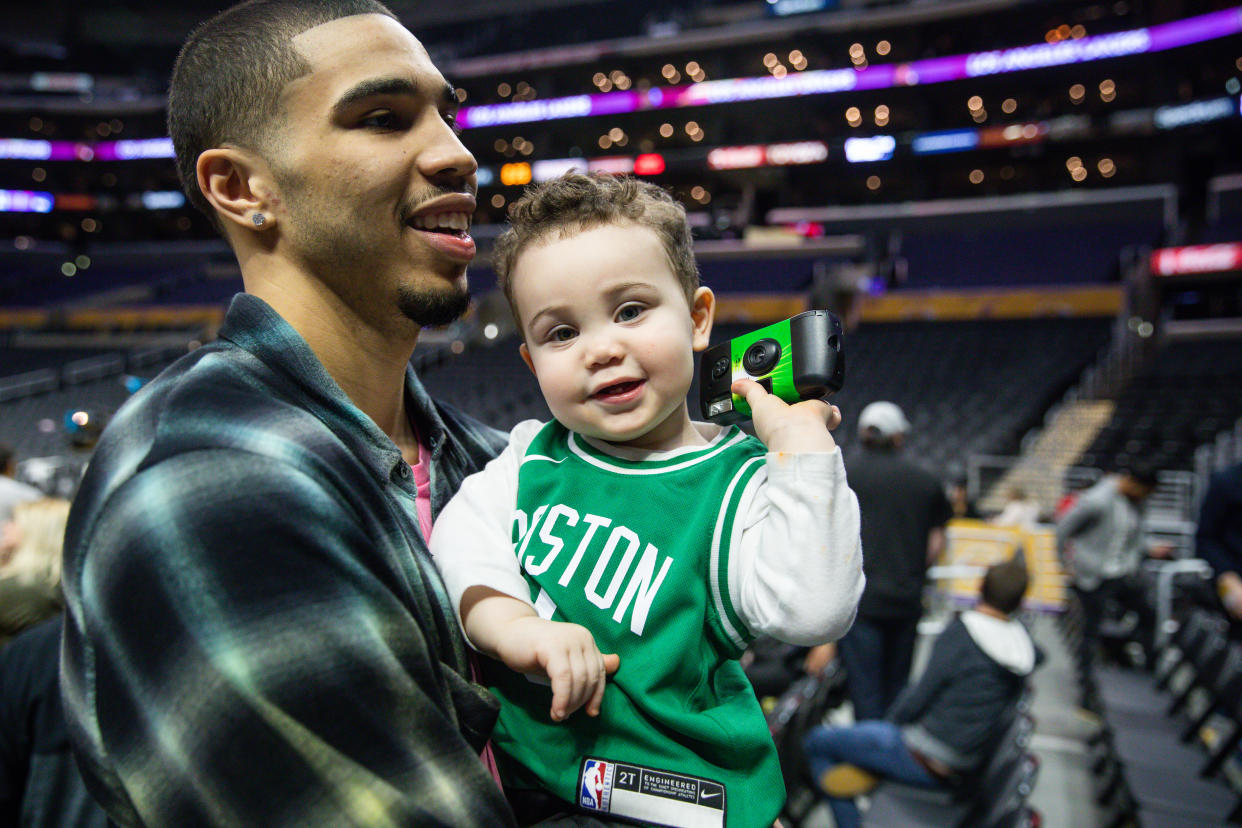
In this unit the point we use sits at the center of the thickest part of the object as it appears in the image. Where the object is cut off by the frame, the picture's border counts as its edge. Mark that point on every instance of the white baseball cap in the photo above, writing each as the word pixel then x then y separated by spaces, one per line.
pixel 885 417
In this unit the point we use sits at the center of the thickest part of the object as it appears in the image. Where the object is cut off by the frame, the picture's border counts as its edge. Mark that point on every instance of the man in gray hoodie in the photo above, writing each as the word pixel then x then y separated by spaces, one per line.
pixel 940 728
pixel 1101 545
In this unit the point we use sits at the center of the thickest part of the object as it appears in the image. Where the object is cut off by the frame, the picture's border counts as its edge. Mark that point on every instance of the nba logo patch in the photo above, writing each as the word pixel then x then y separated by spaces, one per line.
pixel 596 784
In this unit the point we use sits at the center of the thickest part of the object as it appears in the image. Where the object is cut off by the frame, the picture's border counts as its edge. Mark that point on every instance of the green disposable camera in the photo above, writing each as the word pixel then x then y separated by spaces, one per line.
pixel 798 359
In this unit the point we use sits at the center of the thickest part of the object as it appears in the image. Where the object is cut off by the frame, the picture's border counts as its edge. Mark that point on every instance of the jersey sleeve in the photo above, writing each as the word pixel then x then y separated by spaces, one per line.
pixel 472 540
pixel 796 573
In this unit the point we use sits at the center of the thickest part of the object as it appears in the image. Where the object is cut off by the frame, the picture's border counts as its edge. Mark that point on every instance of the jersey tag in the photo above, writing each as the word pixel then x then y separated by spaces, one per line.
pixel 651 796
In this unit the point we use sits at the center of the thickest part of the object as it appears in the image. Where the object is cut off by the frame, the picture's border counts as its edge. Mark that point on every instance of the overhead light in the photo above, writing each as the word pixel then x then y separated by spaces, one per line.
pixel 515 175
pixel 651 163
pixel 874 148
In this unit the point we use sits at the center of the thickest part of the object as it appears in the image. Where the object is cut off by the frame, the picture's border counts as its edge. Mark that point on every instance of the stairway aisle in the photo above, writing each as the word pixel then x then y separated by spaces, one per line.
pixel 1041 469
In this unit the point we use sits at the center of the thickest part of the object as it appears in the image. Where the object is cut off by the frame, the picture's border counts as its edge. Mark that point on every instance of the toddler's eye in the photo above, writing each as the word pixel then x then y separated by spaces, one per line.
pixel 629 313
pixel 562 334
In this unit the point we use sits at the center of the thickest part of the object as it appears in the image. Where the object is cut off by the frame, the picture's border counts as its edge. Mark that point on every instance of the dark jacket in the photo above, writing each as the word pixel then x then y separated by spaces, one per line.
pixel 975 674
pixel 1218 538
pixel 256 633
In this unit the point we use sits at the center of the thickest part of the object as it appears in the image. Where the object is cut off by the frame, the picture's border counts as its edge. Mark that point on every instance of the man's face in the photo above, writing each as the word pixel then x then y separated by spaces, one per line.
pixel 374 190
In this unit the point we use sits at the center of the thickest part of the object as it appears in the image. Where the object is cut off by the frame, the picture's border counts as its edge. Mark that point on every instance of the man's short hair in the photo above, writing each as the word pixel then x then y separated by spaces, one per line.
pixel 1004 586
pixel 227 81
pixel 576 202
pixel 1141 471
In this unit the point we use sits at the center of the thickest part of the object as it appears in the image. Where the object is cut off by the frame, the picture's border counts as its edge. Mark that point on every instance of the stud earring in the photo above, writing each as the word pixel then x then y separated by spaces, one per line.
pixel 259 219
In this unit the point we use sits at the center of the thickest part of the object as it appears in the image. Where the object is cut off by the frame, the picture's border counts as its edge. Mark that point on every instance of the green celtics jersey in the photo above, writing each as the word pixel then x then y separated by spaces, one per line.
pixel 637 551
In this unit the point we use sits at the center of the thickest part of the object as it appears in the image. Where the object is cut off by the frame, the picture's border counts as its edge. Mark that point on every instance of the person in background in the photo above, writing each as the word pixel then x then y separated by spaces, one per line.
pixel 1020 511
pixel 30 564
pixel 40 786
pixel 904 510
pixel 1100 543
pixel 12 490
pixel 939 731
pixel 961 502
pixel 1218 537
pixel 256 634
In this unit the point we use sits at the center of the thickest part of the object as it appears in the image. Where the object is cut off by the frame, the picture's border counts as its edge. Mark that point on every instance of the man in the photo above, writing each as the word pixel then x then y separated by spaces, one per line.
pixel 904 510
pixel 1100 543
pixel 12 490
pixel 1218 536
pixel 942 727
pixel 256 634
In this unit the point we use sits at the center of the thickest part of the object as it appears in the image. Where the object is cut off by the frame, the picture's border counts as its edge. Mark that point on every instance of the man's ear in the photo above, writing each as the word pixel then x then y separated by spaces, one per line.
pixel 236 183
pixel 702 313
pixel 525 352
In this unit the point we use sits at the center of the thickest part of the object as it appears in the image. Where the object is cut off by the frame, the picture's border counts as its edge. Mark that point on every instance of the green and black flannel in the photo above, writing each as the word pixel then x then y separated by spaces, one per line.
pixel 256 635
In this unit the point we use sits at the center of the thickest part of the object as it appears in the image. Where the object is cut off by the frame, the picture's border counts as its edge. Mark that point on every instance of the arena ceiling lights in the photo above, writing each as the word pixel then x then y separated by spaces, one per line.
pixel 770 155
pixel 1196 259
pixel 28 149
pixel 820 82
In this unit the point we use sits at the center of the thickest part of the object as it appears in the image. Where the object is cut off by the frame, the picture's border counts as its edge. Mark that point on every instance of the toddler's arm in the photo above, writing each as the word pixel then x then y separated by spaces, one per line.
pixel 472 546
pixel 795 573
pixel 509 630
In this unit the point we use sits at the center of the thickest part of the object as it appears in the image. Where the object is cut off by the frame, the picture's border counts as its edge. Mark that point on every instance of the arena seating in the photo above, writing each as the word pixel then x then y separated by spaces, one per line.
pixel 1023 255
pixel 490 382
pixel 41 387
pixel 1165 754
pixel 15 361
pixel 1188 392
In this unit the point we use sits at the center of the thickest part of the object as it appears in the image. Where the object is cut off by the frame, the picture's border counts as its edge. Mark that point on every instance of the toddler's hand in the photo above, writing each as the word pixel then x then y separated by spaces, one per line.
pixel 566 654
pixel 801 427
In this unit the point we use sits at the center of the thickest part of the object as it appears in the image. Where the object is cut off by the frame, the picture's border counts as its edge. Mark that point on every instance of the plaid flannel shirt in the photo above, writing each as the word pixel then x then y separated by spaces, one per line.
pixel 256 635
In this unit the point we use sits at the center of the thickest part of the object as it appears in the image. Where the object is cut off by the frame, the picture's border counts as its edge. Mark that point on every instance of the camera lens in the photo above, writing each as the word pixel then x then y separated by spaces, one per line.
pixel 720 368
pixel 761 357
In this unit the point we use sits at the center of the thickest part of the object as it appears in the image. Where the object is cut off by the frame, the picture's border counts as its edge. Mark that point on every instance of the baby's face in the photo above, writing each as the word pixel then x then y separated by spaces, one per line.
pixel 610 335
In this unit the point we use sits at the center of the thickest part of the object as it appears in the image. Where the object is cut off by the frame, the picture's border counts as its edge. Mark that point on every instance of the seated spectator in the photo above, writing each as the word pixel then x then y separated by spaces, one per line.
pixel 1218 537
pixel 30 551
pixel 1020 510
pixel 938 732
pixel 39 781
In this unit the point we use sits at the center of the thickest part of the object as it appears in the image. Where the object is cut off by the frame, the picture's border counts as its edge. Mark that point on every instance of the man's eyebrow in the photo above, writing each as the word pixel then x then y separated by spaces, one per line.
pixel 382 86
pixel 448 94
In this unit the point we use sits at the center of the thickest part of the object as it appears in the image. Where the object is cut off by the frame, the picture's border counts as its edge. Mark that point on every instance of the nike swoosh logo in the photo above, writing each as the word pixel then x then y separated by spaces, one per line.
pixel 706 795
